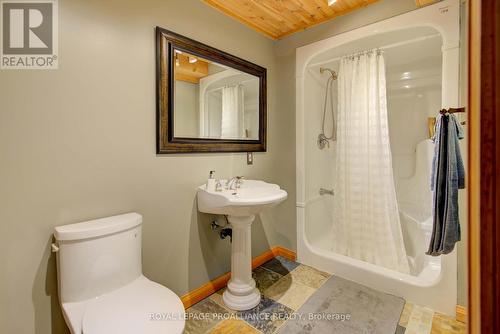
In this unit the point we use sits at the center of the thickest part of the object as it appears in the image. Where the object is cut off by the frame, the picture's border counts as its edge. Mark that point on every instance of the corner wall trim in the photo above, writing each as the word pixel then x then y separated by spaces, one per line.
pixel 461 314
pixel 220 282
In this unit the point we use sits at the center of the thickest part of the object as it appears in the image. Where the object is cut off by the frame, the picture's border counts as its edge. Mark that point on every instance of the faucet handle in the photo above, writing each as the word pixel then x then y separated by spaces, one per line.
pixel 239 181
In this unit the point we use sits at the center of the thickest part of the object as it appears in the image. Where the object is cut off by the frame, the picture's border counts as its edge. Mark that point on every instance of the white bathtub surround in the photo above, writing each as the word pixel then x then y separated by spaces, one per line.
pixel 366 222
pixel 241 293
pixel 415 205
pixel 424 44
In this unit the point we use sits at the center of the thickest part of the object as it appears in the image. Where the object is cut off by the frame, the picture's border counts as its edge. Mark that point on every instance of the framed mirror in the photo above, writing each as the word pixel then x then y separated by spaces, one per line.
pixel 207 99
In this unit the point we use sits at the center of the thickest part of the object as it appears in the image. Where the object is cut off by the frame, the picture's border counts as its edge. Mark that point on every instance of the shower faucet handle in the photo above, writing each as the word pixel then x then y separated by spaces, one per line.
pixel 323 142
pixel 323 191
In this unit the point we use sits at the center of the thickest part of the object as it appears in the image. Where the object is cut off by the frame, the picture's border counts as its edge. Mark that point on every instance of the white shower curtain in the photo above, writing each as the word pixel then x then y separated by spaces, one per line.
pixel 232 122
pixel 366 216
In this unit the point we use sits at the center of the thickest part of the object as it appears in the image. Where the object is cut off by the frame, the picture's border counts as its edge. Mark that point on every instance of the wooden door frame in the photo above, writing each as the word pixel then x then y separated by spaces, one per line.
pixel 484 167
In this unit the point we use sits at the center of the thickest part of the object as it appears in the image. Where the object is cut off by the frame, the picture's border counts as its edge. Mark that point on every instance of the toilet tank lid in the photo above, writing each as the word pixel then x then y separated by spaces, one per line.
pixel 97 227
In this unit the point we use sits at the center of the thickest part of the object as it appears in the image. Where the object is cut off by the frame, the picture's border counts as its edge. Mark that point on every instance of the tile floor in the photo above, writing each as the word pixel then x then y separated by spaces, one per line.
pixel 285 286
pixel 417 319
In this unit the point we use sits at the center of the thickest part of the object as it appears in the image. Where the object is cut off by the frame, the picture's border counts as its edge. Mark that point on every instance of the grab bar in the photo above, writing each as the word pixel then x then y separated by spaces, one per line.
pixel 323 191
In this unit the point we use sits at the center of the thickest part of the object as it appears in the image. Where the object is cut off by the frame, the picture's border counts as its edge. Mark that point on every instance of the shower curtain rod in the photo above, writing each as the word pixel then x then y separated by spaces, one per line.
pixel 385 47
pixel 219 88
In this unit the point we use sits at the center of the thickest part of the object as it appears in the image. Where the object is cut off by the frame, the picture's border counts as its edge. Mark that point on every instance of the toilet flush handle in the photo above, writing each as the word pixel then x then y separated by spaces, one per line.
pixel 55 248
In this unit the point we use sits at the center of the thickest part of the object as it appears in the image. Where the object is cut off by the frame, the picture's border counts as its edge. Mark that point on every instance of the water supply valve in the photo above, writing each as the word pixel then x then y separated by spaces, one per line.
pixel 226 232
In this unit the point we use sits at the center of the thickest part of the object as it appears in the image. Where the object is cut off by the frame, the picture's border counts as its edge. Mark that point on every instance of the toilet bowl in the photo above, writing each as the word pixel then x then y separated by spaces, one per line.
pixel 101 285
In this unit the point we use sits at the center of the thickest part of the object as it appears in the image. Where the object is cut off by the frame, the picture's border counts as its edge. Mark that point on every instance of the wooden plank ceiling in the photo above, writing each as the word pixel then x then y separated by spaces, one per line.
pixel 280 18
pixel 188 71
pixel 421 3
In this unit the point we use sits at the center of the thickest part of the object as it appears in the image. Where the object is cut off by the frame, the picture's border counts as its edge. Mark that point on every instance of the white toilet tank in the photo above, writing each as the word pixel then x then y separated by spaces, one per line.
pixel 98 256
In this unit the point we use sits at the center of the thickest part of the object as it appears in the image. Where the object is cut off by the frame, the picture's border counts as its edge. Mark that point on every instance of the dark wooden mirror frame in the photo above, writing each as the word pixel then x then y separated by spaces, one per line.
pixel 166 142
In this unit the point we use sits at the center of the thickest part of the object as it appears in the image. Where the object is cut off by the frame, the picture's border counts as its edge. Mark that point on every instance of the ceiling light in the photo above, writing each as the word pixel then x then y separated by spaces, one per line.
pixel 406 75
pixel 406 86
pixel 331 2
pixel 192 60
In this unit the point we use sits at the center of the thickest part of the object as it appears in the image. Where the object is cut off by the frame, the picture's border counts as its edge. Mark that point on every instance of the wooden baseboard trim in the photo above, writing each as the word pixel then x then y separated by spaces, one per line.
pixel 286 253
pixel 262 258
pixel 205 290
pixel 461 314
pixel 220 282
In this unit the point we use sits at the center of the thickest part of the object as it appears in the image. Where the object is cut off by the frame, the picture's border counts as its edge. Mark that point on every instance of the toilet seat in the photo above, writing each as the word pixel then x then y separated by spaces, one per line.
pixel 142 306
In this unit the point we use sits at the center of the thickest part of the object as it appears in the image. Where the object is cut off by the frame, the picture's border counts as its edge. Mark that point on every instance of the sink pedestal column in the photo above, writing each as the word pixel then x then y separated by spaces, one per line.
pixel 241 293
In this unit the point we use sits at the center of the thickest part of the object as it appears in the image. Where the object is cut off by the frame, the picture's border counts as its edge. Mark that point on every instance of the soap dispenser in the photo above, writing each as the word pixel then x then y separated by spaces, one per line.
pixel 211 181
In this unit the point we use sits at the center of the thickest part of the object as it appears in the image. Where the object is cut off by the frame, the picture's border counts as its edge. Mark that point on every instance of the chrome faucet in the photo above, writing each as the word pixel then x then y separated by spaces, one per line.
pixel 234 183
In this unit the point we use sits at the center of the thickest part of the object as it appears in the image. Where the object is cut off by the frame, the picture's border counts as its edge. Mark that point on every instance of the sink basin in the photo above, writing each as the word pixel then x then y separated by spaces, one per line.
pixel 241 206
pixel 251 198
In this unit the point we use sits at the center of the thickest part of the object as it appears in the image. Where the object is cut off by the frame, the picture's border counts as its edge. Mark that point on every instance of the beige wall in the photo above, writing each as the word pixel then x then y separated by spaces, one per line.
pixel 79 143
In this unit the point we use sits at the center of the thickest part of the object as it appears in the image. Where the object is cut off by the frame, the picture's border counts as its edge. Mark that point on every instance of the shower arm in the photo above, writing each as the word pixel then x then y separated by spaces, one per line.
pixel 332 72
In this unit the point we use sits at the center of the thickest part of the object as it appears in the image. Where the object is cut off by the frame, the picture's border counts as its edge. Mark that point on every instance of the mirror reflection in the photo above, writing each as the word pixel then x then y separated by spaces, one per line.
pixel 214 101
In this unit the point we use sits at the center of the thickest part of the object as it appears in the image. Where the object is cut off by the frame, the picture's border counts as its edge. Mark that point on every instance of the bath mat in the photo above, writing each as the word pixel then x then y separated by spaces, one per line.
pixel 342 306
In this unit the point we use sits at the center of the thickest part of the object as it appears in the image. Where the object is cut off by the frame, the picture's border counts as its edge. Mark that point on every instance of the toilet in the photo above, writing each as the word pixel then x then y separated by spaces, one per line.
pixel 101 286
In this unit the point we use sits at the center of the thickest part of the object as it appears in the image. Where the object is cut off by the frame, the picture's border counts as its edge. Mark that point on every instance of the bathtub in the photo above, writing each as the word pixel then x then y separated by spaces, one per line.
pixel 432 281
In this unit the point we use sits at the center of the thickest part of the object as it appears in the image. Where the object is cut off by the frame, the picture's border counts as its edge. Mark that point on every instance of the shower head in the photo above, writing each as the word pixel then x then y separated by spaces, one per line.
pixel 332 72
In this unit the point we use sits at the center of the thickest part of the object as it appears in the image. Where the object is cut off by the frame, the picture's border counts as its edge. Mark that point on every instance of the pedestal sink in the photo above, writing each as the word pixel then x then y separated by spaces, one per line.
pixel 241 205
